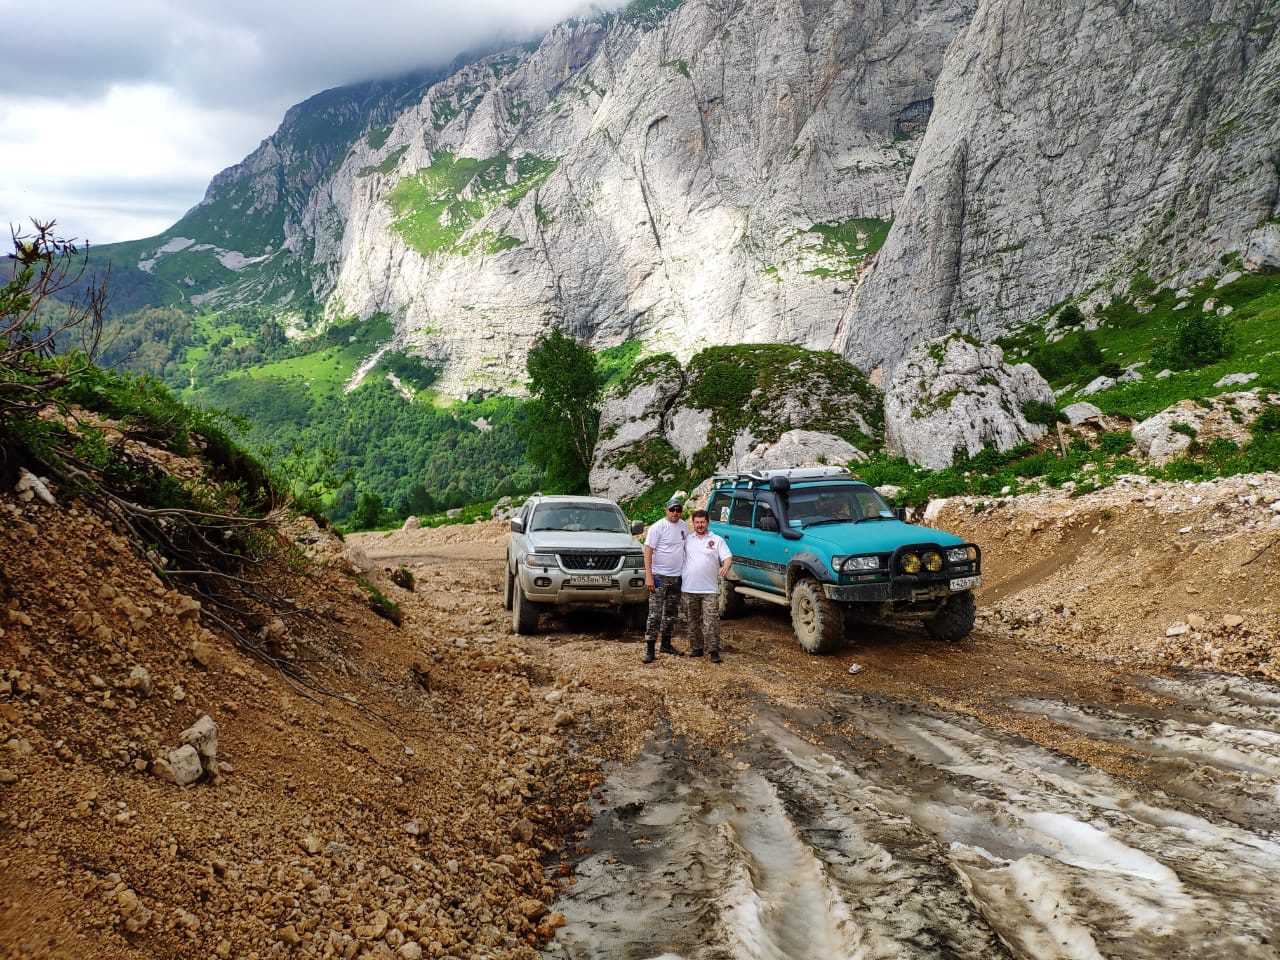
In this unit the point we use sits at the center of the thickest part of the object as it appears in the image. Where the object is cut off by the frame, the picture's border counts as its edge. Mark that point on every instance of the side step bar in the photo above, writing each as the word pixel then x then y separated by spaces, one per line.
pixel 762 595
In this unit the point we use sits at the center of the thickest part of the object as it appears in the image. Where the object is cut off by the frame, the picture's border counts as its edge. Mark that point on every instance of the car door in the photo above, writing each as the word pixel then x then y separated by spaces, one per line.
pixel 768 546
pixel 739 536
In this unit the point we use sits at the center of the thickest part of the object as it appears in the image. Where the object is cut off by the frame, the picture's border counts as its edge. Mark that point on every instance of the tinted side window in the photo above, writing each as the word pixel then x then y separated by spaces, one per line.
pixel 740 515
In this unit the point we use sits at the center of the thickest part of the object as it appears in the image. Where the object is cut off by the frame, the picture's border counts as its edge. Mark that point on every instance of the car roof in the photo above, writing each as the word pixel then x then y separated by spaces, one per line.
pixel 569 498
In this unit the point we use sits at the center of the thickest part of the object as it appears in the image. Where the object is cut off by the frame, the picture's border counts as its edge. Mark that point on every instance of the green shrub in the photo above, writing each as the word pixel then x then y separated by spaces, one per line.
pixel 724 385
pixel 379 603
pixel 1198 339
pixel 1038 411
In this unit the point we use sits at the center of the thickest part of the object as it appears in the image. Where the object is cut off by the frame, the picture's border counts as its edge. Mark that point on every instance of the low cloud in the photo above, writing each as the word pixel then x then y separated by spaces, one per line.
pixel 114 117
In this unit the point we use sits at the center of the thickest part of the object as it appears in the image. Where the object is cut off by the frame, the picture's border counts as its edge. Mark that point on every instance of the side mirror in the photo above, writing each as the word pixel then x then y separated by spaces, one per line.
pixel 637 527
pixel 517 525
pixel 901 513
pixel 769 524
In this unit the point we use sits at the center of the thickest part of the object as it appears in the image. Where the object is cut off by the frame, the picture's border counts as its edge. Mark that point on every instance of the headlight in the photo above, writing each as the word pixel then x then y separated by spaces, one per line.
pixel 540 559
pixel 910 563
pixel 635 562
pixel 854 564
pixel 933 561
pixel 960 554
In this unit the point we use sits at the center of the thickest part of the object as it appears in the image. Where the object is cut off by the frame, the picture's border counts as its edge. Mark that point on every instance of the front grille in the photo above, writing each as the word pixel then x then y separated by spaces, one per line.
pixel 590 561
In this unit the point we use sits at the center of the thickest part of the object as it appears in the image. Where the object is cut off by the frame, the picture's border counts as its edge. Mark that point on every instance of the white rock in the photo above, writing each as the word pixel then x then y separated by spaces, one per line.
pixel 184 762
pixel 29 486
pixel 1080 412
pixel 952 397
pixel 1236 379
pixel 1097 385
pixel 800 448
pixel 203 736
pixel 1177 629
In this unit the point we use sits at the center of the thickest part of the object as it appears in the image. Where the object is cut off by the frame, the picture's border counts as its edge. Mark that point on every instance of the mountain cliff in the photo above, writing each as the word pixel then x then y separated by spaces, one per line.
pixel 834 175
pixel 1074 147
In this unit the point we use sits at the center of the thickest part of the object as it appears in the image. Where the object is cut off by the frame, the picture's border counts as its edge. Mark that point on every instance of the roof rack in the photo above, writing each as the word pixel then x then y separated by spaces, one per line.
pixel 793 474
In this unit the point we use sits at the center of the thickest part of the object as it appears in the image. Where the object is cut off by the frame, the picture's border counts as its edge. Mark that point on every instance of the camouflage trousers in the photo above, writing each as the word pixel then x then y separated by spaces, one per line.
pixel 701 610
pixel 664 609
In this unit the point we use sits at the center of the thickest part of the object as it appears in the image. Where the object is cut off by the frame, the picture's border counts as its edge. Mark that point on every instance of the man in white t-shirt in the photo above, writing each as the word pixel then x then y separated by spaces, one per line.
pixel 663 561
pixel 706 560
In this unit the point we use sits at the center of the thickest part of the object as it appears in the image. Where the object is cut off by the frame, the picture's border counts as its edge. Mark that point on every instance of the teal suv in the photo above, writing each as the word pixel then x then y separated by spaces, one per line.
pixel 828 546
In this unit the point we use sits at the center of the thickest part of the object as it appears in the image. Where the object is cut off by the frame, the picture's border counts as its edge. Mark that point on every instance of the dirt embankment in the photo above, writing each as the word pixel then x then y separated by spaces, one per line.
pixel 1142 573
pixel 407 799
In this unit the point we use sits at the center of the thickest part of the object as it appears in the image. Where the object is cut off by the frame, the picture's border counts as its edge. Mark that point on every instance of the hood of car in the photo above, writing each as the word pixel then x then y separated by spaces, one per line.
pixel 550 541
pixel 875 536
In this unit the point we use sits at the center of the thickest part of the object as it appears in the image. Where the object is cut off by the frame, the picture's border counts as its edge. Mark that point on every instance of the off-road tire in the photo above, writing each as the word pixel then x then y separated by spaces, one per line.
pixel 524 612
pixel 729 602
pixel 817 621
pixel 508 595
pixel 954 621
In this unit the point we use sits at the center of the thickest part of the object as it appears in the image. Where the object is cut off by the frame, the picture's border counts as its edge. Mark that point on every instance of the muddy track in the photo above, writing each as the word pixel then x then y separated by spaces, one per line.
pixel 888 829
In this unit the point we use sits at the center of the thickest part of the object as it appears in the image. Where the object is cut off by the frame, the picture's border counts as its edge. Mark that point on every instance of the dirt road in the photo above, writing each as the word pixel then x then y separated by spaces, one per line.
pixel 993 798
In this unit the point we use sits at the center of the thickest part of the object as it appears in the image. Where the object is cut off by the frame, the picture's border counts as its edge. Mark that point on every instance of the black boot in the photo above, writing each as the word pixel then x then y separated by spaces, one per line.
pixel 648 653
pixel 666 647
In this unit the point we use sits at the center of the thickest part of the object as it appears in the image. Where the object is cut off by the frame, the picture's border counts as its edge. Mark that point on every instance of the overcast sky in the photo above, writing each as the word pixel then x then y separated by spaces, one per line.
pixel 115 114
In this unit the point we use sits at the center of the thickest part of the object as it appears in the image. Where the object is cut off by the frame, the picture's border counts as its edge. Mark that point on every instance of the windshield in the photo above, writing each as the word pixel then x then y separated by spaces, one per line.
pixel 836 504
pixel 603 517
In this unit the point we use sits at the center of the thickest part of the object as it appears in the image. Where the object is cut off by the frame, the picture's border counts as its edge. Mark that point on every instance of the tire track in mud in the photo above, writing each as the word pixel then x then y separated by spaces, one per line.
pixel 888 830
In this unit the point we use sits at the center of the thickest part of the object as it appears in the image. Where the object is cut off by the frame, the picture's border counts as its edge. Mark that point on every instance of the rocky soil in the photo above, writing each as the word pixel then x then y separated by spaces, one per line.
pixel 426 793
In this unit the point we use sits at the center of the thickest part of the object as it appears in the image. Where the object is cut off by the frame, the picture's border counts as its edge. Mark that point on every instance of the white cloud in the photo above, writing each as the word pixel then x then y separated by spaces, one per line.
pixel 114 116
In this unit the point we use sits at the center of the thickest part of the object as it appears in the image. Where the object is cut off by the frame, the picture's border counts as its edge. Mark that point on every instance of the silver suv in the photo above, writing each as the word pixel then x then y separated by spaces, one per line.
pixel 573 552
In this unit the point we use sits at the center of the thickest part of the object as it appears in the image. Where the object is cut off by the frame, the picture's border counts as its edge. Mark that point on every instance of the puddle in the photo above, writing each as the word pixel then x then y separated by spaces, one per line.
pixel 916 833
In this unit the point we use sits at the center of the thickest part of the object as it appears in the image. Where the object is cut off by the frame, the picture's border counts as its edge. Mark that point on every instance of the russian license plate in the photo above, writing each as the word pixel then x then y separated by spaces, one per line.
pixel 966 583
pixel 595 580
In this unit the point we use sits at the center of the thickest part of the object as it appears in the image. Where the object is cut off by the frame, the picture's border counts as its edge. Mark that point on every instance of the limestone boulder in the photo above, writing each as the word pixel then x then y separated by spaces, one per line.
pixel 1170 432
pixel 800 448
pixel 952 397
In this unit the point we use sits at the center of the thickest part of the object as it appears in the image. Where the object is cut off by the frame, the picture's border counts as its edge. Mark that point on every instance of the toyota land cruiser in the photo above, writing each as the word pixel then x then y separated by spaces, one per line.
pixel 826 544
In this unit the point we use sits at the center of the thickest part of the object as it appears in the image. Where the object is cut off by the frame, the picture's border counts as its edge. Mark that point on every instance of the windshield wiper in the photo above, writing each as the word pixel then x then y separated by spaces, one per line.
pixel 818 523
pixel 877 517
pixel 604 530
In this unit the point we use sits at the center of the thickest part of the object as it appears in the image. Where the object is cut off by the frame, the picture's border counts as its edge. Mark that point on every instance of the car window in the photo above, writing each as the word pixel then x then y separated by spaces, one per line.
pixel 579 517
pixel 870 504
pixel 764 511
pixel 740 514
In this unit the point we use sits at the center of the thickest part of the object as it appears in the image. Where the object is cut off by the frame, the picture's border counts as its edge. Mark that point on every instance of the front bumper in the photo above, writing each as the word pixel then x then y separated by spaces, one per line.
pixel 912 590
pixel 561 588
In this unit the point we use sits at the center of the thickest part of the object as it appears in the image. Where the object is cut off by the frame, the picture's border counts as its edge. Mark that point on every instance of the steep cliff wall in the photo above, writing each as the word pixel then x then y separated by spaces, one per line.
pixel 1071 146
pixel 718 177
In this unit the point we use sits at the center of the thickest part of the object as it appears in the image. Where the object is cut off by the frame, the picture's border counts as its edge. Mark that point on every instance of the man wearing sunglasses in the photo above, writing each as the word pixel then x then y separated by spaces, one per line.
pixel 663 561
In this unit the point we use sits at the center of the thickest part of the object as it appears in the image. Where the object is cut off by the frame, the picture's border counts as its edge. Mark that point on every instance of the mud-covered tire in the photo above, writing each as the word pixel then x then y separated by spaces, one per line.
pixel 729 602
pixel 954 621
pixel 524 612
pixel 508 595
pixel 817 621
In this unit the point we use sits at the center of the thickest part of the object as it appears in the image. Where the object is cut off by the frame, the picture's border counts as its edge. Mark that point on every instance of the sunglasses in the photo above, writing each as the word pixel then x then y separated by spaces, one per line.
pixel 675 509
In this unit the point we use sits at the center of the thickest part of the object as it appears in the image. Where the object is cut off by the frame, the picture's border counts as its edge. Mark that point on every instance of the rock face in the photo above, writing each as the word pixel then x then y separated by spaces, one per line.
pixel 719 173
pixel 740 408
pixel 1070 146
pixel 953 397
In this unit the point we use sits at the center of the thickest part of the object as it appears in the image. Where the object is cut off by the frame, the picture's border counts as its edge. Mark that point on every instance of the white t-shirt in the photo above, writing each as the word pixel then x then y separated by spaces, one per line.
pixel 703 556
pixel 667 540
